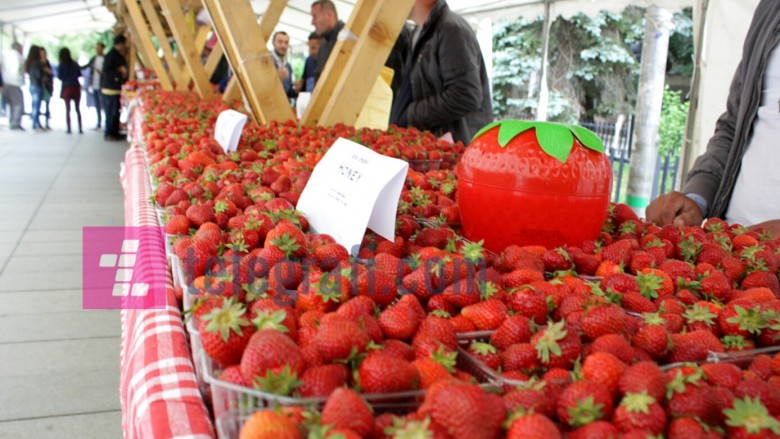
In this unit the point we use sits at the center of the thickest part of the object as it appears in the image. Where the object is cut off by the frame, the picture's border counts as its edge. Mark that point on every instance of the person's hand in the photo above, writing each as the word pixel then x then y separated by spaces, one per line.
pixel 674 208
pixel 772 227
pixel 283 73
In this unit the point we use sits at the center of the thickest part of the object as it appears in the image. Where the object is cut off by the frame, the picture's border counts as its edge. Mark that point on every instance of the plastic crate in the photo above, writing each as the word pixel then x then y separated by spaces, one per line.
pixel 228 397
pixel 198 360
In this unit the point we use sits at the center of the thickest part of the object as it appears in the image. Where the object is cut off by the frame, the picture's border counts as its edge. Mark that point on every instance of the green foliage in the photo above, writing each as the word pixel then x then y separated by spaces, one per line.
pixel 593 66
pixel 672 127
pixel 81 45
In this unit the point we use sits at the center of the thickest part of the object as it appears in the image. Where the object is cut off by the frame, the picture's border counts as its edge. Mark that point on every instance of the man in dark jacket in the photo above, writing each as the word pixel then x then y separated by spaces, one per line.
pixel 445 87
pixel 736 178
pixel 114 75
pixel 325 20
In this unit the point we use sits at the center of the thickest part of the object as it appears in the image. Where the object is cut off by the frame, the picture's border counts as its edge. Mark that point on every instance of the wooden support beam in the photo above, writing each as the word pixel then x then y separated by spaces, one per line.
pixel 174 67
pixel 355 62
pixel 244 44
pixel 201 36
pixel 144 40
pixel 144 45
pixel 232 91
pixel 271 18
pixel 131 59
pixel 213 59
pixel 186 44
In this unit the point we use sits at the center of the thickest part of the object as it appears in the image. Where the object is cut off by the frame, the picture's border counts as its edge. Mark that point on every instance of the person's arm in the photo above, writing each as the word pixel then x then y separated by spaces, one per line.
pixel 772 227
pixel 460 72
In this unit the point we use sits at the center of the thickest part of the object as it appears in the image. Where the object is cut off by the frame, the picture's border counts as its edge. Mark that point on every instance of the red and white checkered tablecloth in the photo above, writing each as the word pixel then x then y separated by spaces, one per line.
pixel 158 388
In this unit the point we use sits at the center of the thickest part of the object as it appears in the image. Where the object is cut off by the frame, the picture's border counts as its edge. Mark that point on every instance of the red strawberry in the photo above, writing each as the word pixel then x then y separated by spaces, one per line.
pixel 346 409
pixel 399 322
pixel 750 419
pixel 486 353
pixel 381 373
pixel 270 352
pixel 557 259
pixel 520 357
pixel 531 396
pixel 233 375
pixel 339 338
pixel 322 380
pixel 762 279
pixel 557 345
pixel 530 303
pixel 267 424
pixel 434 370
pixel 653 339
pixel 515 329
pixel 598 429
pixel 603 319
pixel 614 344
pixel 603 368
pixel 583 402
pixel 200 214
pixel 288 238
pixel 640 411
pixel 225 332
pixel 530 425
pixel 487 315
pixel 641 377
pixel 330 255
pixel 464 410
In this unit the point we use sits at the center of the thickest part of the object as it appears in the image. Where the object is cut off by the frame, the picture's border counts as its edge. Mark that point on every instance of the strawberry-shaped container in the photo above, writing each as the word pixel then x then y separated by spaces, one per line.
pixel 533 183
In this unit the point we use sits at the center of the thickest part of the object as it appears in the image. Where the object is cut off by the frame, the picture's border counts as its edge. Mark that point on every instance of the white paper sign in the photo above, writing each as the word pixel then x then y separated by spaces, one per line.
pixel 353 188
pixel 301 103
pixel 227 131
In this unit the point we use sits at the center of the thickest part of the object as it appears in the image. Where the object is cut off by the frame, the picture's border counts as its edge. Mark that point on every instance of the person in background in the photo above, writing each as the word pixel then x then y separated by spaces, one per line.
pixel 69 73
pixel 13 77
pixel 445 87
pixel 114 75
pixel 308 78
pixel 47 86
pixel 36 70
pixel 281 43
pixel 736 179
pixel 93 82
pixel 327 25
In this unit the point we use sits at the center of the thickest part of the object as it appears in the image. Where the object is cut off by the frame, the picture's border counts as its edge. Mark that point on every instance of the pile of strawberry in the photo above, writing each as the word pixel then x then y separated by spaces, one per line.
pixel 289 312
pixel 637 401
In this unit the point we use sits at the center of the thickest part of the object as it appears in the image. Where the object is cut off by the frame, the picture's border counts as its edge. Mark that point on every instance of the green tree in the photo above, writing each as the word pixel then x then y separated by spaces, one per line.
pixel 671 130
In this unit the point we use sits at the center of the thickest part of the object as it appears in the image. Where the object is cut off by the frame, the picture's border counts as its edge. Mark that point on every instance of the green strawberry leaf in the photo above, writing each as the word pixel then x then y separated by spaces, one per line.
pixel 555 140
pixel 510 129
pixel 588 138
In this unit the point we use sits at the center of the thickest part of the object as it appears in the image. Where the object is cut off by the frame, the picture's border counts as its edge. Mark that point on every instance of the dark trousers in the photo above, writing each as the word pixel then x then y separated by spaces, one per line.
pixel 111 104
pixel 98 106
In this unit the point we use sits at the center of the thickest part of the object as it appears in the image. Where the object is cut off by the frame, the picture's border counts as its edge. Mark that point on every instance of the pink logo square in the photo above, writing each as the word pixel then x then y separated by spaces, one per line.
pixel 124 267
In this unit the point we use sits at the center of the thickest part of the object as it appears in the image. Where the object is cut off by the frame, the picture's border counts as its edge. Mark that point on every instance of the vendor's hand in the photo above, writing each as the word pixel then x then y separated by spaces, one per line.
pixel 772 227
pixel 283 73
pixel 674 208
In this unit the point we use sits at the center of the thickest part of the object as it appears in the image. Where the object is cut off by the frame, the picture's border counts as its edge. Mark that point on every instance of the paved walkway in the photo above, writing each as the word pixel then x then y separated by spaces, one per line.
pixel 59 364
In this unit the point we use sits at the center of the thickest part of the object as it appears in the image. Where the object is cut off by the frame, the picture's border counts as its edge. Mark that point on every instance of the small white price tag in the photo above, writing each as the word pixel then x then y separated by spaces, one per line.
pixel 301 103
pixel 227 131
pixel 353 188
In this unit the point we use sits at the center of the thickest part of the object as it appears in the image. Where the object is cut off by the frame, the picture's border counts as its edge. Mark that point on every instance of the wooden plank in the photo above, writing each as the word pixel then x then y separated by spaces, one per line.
pixel 144 40
pixel 232 91
pixel 271 18
pixel 201 36
pixel 245 47
pixel 186 44
pixel 213 59
pixel 154 22
pixel 131 59
pixel 355 62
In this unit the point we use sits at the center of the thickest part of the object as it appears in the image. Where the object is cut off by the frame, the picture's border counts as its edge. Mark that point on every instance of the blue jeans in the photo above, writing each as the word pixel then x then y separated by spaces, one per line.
pixel 111 104
pixel 36 93
pixel 98 106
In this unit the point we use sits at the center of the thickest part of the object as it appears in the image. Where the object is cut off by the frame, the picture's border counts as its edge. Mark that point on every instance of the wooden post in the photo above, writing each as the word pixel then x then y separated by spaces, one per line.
pixel 186 44
pixel 213 60
pixel 232 91
pixel 355 62
pixel 144 40
pixel 154 21
pixel 252 64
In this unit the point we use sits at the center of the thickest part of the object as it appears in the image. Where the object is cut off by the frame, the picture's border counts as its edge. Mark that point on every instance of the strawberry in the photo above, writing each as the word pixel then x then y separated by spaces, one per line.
pixel 200 214
pixel 750 419
pixel 598 429
pixel 641 260
pixel 269 424
pixel 225 332
pixel 177 225
pixel 233 375
pixel 398 349
pixel 399 322
pixel 434 370
pixel 379 286
pixel 603 319
pixel 346 409
pixel 636 302
pixel 486 353
pixel 762 279
pixel 322 380
pixel 270 352
pixel 654 283
pixel 322 291
pixel 620 283
pixel 688 395
pixel 530 425
pixel 329 256
pixel 381 373
pixel 464 410
pixel 521 276
pixel 694 346
pixel 529 303
pixel 432 237
pixel 762 391
pixel 557 345
pixel 722 375
pixel 585 264
pixel 520 357
pixel 619 252
pixel 742 319
pixel 716 285
pixel 653 339
pixel 676 269
pixel 530 396
pixel 557 259
pixel 487 315
pixel 603 368
pixel 614 344
pixel 339 338
pixel 622 213
pixel 646 377
pixel 583 402
pixel 640 411
pixel 515 329
pixel 288 238
pixel 686 428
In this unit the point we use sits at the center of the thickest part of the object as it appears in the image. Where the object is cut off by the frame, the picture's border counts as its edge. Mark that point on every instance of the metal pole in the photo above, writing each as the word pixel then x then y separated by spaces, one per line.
pixel 658 24
pixel 689 152
pixel 541 108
